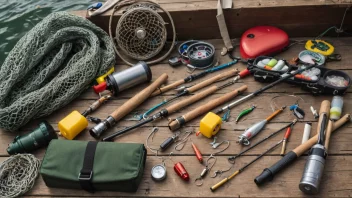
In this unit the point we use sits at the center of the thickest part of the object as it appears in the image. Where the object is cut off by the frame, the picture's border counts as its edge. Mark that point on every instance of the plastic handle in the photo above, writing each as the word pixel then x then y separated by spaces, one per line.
pixel 166 143
pixel 288 133
pixel 268 173
pixel 245 73
pixel 197 152
pixel 100 88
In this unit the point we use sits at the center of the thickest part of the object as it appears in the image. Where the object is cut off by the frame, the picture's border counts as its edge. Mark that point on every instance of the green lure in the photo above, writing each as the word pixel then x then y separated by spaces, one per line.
pixel 245 112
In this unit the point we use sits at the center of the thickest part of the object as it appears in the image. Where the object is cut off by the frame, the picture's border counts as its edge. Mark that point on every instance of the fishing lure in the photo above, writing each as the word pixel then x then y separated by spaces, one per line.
pixel 298 112
pixel 245 112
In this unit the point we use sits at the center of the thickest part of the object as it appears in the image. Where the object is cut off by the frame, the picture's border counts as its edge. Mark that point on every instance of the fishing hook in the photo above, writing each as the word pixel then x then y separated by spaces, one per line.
pixel 183 142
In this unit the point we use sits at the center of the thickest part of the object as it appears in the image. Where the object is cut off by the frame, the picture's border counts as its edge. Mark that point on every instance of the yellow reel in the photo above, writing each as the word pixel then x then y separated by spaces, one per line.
pixel 210 125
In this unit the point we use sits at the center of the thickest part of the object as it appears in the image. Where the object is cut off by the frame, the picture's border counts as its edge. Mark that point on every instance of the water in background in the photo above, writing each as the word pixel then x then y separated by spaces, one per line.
pixel 19 16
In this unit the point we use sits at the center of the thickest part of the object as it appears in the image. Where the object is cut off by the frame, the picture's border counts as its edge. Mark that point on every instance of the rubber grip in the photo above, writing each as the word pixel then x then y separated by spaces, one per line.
pixel 269 173
pixel 244 73
pixel 166 143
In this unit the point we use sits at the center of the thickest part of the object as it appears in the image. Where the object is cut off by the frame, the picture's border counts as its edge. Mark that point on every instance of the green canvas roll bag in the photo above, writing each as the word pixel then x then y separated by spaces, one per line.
pixel 93 166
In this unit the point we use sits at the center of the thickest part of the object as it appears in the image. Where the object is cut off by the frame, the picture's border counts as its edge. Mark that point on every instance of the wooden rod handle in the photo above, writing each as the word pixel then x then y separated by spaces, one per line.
pixel 139 98
pixel 324 109
pixel 328 134
pixel 167 87
pixel 216 78
pixel 173 125
pixel 313 140
pixel 191 100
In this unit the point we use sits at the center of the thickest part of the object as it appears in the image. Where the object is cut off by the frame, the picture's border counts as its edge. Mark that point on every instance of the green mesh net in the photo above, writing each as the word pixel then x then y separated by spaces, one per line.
pixel 50 66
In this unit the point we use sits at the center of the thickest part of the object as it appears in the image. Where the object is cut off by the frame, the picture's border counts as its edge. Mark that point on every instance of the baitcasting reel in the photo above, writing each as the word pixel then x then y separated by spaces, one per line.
pixel 141 32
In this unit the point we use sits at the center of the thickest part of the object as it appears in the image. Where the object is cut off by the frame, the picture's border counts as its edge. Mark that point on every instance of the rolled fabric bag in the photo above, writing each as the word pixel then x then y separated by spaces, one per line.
pixel 93 166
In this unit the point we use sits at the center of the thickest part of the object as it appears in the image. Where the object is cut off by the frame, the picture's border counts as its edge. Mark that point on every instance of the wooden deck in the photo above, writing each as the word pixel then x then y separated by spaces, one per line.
pixel 337 176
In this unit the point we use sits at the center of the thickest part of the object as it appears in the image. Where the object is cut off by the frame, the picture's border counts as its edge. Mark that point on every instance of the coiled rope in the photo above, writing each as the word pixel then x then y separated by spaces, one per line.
pixel 18 174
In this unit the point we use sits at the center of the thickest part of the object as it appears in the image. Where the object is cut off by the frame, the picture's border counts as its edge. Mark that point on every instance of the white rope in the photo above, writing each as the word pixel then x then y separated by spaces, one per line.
pixel 18 174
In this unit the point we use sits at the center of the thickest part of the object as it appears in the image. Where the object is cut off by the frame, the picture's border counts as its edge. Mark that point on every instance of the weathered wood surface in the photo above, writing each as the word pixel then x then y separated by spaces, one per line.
pixel 337 176
pixel 197 19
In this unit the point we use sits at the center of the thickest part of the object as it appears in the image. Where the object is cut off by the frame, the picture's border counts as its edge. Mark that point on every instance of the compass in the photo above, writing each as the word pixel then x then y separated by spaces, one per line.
pixel 158 172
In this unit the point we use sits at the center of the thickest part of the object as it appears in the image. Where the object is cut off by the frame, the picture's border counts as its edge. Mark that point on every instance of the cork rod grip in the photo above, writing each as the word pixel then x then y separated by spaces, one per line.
pixel 216 78
pixel 208 106
pixel 308 144
pixel 324 109
pixel 328 134
pixel 167 87
pixel 139 98
pixel 191 100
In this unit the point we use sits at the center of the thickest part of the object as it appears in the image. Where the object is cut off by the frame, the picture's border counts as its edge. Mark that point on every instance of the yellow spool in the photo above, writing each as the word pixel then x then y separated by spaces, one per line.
pixel 101 78
pixel 72 125
pixel 210 125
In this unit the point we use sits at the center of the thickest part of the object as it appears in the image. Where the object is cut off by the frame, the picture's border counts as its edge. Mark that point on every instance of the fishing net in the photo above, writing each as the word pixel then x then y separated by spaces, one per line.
pixel 50 66
pixel 18 174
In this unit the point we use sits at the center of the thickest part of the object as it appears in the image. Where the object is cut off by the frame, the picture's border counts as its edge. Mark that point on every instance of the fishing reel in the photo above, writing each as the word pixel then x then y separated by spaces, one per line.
pixel 195 54
pixel 318 80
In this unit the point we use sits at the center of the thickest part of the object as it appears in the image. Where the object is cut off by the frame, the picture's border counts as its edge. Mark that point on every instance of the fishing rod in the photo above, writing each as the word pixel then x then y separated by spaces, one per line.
pixel 222 182
pixel 288 126
pixel 256 128
pixel 193 77
pixel 261 90
pixel 180 121
pixel 127 107
pixel 269 173
pixel 317 156
pixel 190 90
pixel 175 107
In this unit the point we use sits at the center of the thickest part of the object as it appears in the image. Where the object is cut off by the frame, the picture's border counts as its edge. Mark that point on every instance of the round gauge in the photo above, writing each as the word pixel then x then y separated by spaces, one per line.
pixel 158 172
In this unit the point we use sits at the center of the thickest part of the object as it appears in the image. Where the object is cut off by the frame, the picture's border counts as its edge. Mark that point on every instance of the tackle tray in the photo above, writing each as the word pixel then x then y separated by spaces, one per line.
pixel 316 87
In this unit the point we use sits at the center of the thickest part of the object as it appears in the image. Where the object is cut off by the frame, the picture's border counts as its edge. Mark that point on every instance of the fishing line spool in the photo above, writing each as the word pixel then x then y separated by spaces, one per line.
pixel 119 81
pixel 201 55
pixel 141 32
pixel 38 138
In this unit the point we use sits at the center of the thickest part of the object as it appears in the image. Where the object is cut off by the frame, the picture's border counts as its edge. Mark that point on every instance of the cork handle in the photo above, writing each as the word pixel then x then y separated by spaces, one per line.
pixel 191 100
pixel 308 144
pixel 216 78
pixel 328 134
pixel 138 98
pixel 167 87
pixel 207 107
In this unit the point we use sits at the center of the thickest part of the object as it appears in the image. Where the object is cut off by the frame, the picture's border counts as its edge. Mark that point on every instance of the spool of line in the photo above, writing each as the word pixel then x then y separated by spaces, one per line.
pixel 306 132
pixel 336 108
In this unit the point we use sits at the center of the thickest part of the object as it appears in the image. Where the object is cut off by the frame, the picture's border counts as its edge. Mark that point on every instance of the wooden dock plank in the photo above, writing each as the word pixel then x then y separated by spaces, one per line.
pixel 196 19
pixel 336 180
pixel 337 174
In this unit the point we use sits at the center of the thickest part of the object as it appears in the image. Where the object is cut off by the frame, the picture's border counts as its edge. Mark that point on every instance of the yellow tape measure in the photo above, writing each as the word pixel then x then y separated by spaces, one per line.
pixel 320 46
